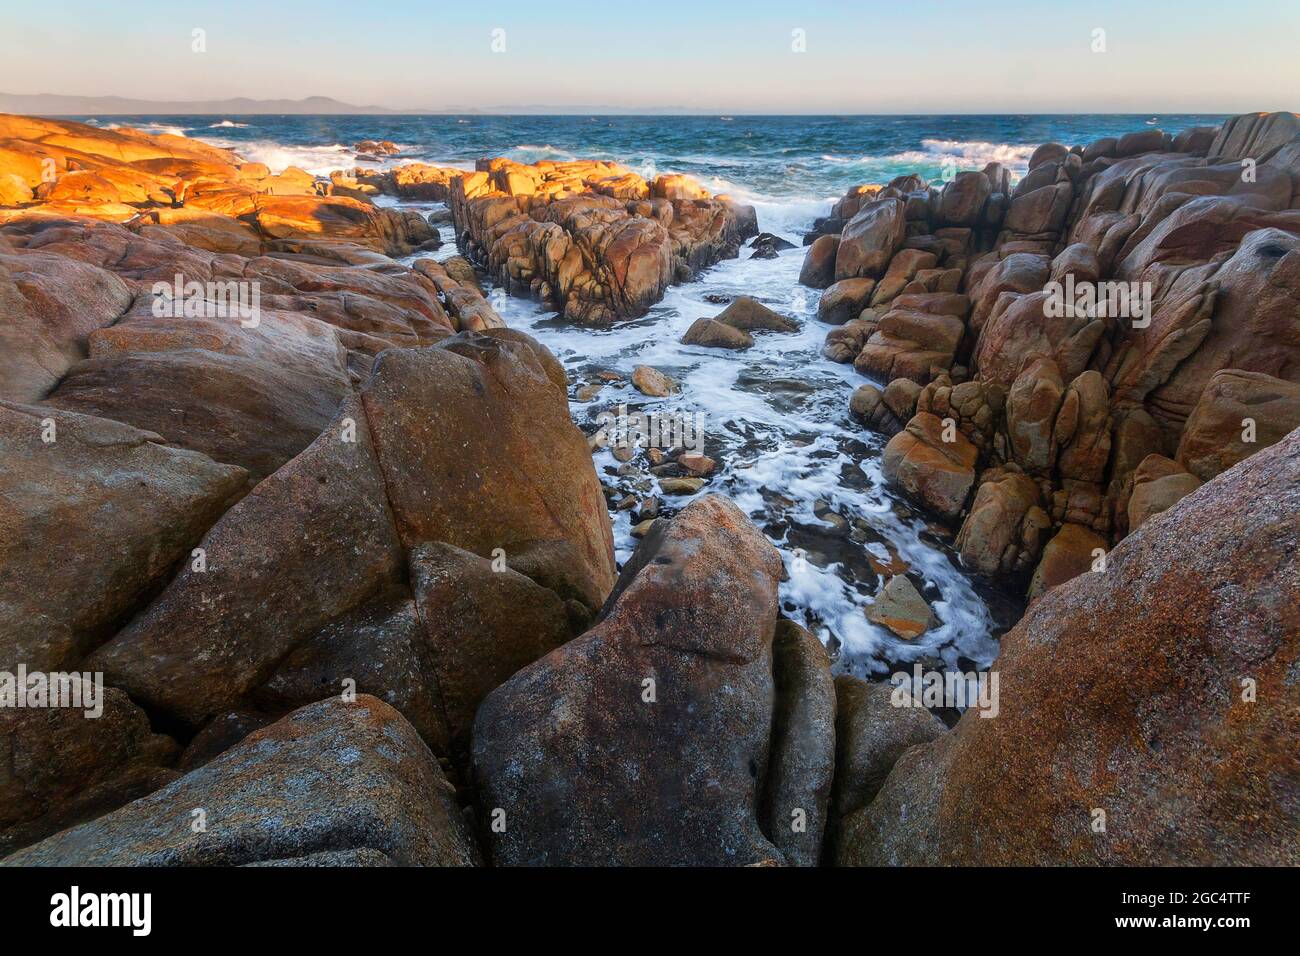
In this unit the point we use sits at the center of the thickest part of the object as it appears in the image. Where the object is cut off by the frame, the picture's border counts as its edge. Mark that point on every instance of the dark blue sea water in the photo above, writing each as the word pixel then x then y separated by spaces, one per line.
pixel 775 415
pixel 765 157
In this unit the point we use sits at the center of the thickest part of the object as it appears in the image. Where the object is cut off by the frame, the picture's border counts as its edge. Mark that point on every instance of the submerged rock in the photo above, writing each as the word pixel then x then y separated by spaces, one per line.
pixel 713 334
pixel 652 382
pixel 900 607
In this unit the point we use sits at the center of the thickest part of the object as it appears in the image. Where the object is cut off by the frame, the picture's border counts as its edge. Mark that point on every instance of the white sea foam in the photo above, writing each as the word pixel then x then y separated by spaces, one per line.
pixel 228 124
pixel 964 154
pixel 152 128
pixel 794 444
pixel 972 154
pixel 529 152
pixel 317 160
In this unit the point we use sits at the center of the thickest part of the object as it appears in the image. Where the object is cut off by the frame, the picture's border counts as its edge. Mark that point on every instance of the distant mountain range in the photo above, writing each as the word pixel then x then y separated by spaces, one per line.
pixel 51 104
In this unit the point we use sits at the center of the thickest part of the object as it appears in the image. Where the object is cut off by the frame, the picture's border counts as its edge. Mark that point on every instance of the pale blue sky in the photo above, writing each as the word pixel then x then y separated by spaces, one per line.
pixel 906 56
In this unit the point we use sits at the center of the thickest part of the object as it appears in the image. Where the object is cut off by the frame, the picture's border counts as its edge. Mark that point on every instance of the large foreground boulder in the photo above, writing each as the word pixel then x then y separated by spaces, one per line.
pixel 307 545
pixel 63 765
pixel 478 450
pixel 1148 713
pixel 335 777
pixel 645 741
pixel 93 515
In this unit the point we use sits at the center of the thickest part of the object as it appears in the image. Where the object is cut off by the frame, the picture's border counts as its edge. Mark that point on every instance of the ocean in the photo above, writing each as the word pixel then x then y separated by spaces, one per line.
pixel 775 416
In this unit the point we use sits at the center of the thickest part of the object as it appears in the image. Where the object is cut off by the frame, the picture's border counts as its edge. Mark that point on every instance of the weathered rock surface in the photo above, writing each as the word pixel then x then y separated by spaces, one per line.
pixel 485 417
pixel 309 544
pixel 819 262
pixel 1234 407
pixel 480 625
pixel 937 473
pixel 252 397
pixel 622 746
pixel 900 607
pixel 66 765
pixel 1158 484
pixel 870 240
pixel 592 239
pixel 334 777
pixel 49 305
pixel 91 521
pixel 871 733
pixel 1128 692
pixel 802 759
pixel 1136 296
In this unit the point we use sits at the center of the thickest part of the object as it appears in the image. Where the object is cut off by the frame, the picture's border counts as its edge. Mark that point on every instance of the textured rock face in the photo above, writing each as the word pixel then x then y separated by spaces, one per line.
pixel 63 766
pixel 592 239
pixel 93 519
pixel 321 552
pixel 845 300
pixel 253 397
pixel 1003 531
pixel 819 263
pixel 1128 691
pixel 481 625
pixel 622 746
pixel 1238 413
pixel 1073 551
pixel 48 308
pixel 870 240
pixel 871 733
pixel 463 423
pixel 1137 296
pixel 1158 484
pixel 335 777
pixel 916 339
pixel 802 760
pixel 308 544
pixel 935 472
pixel 199 507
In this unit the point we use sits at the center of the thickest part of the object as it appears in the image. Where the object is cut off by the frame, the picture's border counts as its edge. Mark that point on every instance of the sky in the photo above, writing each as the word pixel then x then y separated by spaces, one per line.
pixel 738 56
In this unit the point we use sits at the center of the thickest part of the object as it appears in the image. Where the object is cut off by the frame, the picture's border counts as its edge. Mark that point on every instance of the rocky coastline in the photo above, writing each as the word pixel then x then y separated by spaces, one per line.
pixel 345 566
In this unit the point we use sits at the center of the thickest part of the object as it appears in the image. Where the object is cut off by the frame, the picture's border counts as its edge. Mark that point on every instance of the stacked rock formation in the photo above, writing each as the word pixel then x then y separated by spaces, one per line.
pixel 592 240
pixel 1050 428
